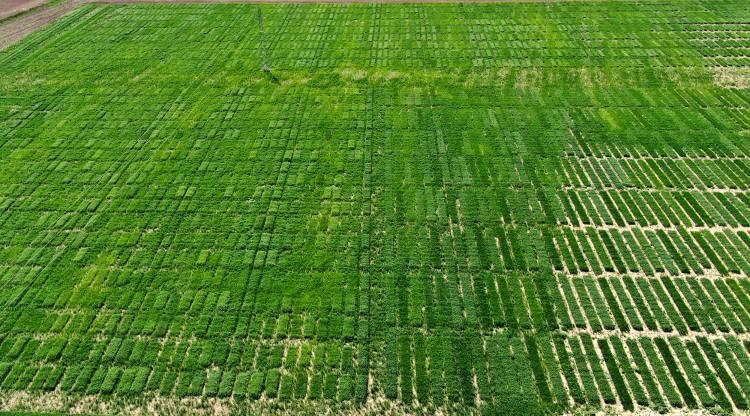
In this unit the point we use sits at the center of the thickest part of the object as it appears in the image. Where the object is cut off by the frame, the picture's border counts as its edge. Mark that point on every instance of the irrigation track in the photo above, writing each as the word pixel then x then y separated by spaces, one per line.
pixel 14 30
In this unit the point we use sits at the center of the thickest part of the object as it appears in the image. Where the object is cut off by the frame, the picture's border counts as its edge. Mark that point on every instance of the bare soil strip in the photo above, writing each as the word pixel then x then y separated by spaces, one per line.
pixel 10 8
pixel 15 30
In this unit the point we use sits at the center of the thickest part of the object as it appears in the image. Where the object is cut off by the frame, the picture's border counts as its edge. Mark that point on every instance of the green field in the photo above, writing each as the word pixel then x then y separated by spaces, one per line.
pixel 466 208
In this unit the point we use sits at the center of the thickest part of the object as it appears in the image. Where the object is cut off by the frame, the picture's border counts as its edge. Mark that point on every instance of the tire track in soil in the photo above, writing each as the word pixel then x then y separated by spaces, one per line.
pixel 15 30
pixel 10 8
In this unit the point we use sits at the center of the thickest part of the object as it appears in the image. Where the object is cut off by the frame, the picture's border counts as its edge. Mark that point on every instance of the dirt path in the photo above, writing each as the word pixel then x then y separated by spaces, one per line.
pixel 15 30
pixel 10 8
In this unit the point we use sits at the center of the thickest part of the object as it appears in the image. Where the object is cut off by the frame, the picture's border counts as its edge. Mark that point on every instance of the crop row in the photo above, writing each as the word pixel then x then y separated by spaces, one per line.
pixel 656 372
pixel 389 36
pixel 668 150
pixel 556 370
pixel 534 370
pixel 544 303
pixel 636 250
pixel 192 354
pixel 656 304
pixel 330 325
pixel 559 218
pixel 656 173
pixel 648 208
pixel 129 366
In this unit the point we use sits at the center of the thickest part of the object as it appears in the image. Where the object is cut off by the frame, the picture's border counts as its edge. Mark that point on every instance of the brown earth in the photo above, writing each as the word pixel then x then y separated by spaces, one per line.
pixel 10 8
pixel 15 30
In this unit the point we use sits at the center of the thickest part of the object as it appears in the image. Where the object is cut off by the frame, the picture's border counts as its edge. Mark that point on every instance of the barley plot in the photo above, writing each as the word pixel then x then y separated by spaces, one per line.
pixel 477 208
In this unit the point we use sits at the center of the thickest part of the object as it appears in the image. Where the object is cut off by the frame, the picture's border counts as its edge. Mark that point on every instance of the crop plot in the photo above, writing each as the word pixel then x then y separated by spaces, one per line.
pixel 466 208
